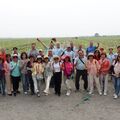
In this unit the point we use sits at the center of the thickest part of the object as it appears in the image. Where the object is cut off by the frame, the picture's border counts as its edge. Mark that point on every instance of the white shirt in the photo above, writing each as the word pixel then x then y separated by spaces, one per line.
pixel 56 67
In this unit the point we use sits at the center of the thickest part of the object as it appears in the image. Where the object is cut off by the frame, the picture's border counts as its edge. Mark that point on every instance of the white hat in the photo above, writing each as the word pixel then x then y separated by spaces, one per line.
pixel 15 55
pixel 56 56
pixel 90 54
pixel 39 57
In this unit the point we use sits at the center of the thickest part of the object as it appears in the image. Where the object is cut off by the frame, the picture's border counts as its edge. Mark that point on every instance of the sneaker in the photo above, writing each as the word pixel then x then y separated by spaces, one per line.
pixel 105 94
pixel 90 93
pixel 100 93
pixel 25 93
pixel 68 93
pixel 15 94
pixel 115 96
pixel 38 95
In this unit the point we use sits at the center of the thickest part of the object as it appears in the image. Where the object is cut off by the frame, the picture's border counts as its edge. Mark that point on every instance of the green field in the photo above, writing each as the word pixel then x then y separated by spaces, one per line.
pixel 24 44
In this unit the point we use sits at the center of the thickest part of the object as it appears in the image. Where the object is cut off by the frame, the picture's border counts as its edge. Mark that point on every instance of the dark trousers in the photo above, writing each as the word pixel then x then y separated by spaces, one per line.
pixel 31 83
pixel 52 82
pixel 57 82
pixel 80 73
pixel 15 81
pixel 2 85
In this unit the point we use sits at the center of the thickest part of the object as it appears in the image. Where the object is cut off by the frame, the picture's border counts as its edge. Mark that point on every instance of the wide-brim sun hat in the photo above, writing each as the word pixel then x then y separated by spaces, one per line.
pixel 46 57
pixel 56 57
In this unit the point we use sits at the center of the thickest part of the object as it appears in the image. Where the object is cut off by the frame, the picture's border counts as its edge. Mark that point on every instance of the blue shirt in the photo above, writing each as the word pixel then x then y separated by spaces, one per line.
pixel 111 57
pixel 91 49
pixel 58 51
pixel 79 64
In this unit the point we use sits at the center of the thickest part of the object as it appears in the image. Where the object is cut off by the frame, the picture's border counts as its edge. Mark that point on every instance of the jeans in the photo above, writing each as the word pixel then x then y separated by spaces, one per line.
pixel 116 84
pixel 37 84
pixel 25 82
pixel 2 85
pixel 104 82
pixel 30 79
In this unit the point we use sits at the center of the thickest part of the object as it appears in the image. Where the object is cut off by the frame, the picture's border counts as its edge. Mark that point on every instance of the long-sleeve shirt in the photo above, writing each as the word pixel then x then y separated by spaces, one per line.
pixel 38 68
pixel 93 67
pixel 7 67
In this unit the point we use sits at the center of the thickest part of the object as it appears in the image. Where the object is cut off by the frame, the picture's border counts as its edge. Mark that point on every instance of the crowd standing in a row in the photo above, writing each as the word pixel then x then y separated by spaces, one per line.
pixel 32 67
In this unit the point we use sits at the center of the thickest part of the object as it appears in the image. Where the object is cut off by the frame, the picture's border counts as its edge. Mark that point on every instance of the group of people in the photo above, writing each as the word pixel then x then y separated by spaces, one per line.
pixel 56 64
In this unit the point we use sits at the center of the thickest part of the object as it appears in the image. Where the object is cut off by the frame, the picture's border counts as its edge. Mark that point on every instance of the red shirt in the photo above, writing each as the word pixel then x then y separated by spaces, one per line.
pixel 105 66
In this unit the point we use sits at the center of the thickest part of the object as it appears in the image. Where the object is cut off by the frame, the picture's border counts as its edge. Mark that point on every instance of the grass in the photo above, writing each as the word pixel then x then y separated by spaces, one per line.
pixel 24 44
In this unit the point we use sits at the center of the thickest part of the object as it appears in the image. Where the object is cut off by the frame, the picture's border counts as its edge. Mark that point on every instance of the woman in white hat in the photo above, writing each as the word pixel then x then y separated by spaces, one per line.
pixel 48 73
pixel 37 74
pixel 93 68
pixel 57 74
pixel 15 73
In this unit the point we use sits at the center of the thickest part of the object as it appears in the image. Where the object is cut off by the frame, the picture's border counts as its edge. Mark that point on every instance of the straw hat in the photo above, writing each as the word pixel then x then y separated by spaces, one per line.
pixel 46 56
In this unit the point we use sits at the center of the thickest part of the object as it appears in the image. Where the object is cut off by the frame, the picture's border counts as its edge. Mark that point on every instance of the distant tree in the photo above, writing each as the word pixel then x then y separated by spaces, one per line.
pixel 96 35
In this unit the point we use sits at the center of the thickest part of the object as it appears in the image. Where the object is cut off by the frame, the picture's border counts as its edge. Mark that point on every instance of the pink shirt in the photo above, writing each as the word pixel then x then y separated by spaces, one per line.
pixel 7 67
pixel 93 67
pixel 67 68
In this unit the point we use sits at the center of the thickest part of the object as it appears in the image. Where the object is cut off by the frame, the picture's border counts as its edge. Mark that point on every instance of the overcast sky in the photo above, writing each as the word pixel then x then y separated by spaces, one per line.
pixel 49 18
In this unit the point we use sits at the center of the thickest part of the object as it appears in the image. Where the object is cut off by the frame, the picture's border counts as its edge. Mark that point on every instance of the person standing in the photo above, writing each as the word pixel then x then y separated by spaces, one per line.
pixel 81 70
pixel 91 48
pixel 33 52
pixel 7 74
pixel 93 68
pixel 15 51
pixel 37 74
pixel 104 72
pixel 58 50
pixel 15 73
pixel 2 76
pixel 23 68
pixel 116 76
pixel 48 73
pixel 29 73
pixel 57 74
pixel 70 53
pixel 67 67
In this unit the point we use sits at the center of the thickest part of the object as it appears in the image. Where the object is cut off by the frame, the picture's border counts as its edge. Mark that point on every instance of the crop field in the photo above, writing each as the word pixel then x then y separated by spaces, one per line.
pixel 24 44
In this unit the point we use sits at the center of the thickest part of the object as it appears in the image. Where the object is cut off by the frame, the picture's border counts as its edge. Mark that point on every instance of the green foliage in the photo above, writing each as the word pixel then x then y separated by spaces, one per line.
pixel 24 44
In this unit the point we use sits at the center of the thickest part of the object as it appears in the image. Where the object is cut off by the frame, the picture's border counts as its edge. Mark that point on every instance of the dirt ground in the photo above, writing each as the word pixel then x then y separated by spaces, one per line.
pixel 53 107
